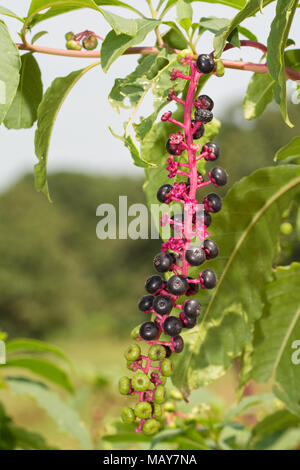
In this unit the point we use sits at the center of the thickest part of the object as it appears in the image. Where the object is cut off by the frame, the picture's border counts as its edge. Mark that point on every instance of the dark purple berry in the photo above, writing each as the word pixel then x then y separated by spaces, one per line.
pixel 205 63
pixel 178 344
pixel 168 351
pixel 163 191
pixel 200 216
pixel 192 307
pixel 188 321
pixel 203 115
pixel 195 255
pixel 204 102
pixel 193 287
pixel 171 148
pixel 199 132
pixel 209 278
pixel 172 326
pixel 215 151
pixel 153 284
pixel 177 285
pixel 175 257
pixel 146 303
pixel 212 203
pixel 149 331
pixel 162 304
pixel 211 249
pixel 207 219
pixel 218 176
pixel 162 262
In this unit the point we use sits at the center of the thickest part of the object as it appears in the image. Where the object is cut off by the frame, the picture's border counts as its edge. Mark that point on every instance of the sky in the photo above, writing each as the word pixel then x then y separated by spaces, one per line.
pixel 81 140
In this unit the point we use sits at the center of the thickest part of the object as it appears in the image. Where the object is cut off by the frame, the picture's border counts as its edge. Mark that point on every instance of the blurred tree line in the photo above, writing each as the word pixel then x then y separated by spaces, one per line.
pixel 55 273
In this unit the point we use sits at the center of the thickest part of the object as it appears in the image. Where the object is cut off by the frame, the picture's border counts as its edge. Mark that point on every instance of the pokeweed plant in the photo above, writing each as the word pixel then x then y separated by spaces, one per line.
pixel 253 311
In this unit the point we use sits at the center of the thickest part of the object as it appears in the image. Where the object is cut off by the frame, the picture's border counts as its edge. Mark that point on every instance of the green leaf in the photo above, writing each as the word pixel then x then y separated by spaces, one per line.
pixel 292 149
pixel 10 64
pixel 280 27
pixel 37 36
pixel 65 417
pixel 218 25
pixel 114 45
pixel 249 9
pixel 184 14
pixel 135 154
pixel 278 421
pixel 292 58
pixel 43 368
pixel 32 345
pixel 47 113
pixel 5 11
pixel 246 403
pixel 258 95
pixel 274 336
pixel 23 111
pixel 174 38
pixel 68 6
pixel 251 217
pixel 239 4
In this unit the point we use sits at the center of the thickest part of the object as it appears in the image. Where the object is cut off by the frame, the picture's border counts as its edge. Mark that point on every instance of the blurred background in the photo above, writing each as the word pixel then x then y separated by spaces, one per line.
pixel 57 280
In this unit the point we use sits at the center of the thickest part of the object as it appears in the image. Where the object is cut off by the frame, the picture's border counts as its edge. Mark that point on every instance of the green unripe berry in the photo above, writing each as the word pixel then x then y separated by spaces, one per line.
pixel 166 367
pixel 159 394
pixel 143 410
pixel 286 228
pixel 127 415
pixel 157 352
pixel 285 213
pixel 182 54
pixel 157 410
pixel 151 426
pixel 133 352
pixel 169 406
pixel 124 385
pixel 220 69
pixel 90 43
pixel 140 382
pixel 176 395
pixel 73 45
pixel 135 332
pixel 69 35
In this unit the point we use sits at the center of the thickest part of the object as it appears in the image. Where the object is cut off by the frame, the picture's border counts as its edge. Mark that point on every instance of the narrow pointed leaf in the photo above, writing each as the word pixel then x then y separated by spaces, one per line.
pixel 258 95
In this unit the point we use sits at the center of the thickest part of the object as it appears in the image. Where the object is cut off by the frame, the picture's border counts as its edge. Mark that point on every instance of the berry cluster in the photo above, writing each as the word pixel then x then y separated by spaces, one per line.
pixel 162 332
pixel 87 40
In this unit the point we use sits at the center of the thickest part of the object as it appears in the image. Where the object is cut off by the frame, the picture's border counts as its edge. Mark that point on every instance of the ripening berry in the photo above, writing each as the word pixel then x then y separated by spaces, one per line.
pixel 127 415
pixel 178 344
pixel 212 202
pixel 172 326
pixel 199 132
pixel 149 331
pixel 153 284
pixel 133 352
pixel 214 153
pixel 195 255
pixel 146 303
pixel 163 262
pixel 140 382
pixel 162 304
pixel 73 45
pixel 70 35
pixel 157 410
pixel 143 410
pixel 171 148
pixel 160 394
pixel 193 287
pixel 163 191
pixel 150 427
pixel 211 249
pixel 90 43
pixel 135 332
pixel 209 279
pixel 218 176
pixel 177 285
pixel 192 307
pixel 167 368
pixel 204 102
pixel 203 115
pixel 124 385
pixel 205 63
pixel 157 352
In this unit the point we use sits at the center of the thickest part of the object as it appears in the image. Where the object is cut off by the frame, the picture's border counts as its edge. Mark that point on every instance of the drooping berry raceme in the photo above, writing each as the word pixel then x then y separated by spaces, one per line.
pixel 167 315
